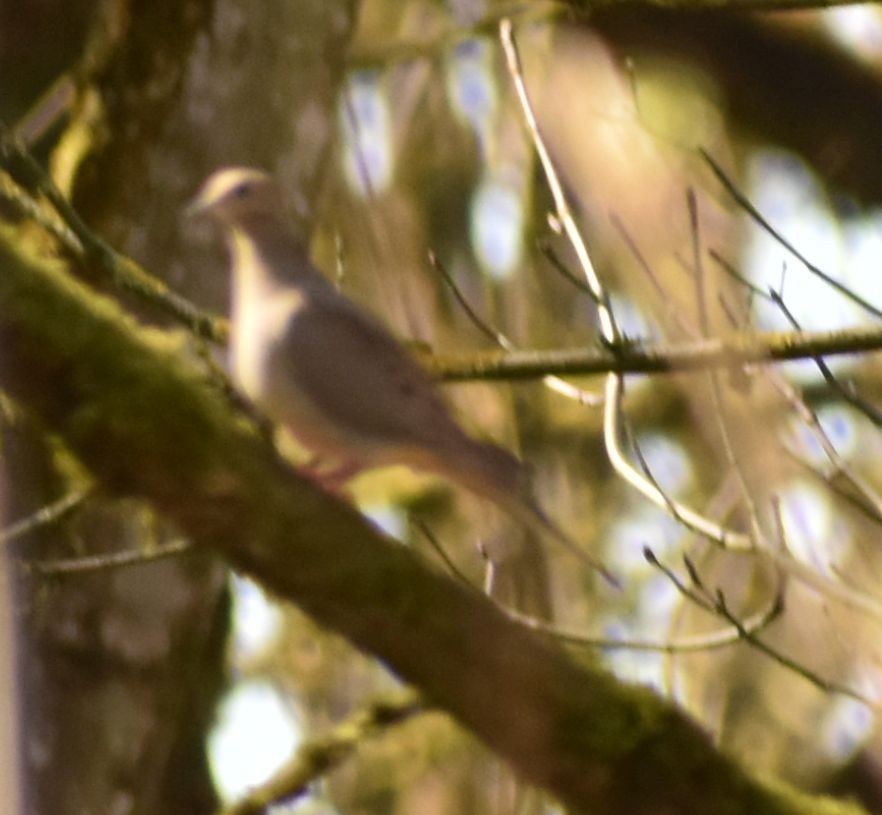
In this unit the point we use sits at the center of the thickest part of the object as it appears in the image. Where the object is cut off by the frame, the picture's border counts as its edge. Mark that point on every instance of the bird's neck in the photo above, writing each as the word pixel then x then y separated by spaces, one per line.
pixel 272 277
pixel 265 253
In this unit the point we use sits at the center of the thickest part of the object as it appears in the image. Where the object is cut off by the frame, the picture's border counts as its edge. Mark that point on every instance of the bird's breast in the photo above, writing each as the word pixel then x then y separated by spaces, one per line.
pixel 261 318
pixel 260 366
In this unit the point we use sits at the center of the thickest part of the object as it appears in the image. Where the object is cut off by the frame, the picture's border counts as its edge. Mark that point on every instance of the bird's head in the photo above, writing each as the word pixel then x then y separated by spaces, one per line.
pixel 235 194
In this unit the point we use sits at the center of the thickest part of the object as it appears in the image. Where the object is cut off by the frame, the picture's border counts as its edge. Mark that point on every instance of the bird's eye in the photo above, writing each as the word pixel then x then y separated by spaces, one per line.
pixel 242 190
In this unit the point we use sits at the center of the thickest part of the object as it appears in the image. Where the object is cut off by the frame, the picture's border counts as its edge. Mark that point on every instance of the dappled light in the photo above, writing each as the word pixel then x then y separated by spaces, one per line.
pixel 509 442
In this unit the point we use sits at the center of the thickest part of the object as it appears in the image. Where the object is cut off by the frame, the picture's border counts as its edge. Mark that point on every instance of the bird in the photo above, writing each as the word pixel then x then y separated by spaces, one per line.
pixel 328 371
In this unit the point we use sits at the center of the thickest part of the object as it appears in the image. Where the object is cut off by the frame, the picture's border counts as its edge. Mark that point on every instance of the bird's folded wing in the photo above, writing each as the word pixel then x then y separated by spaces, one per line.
pixel 360 378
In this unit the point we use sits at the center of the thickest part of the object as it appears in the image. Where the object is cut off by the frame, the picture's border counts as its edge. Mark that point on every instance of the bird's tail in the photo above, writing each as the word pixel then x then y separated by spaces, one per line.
pixel 525 509
pixel 488 470
pixel 496 474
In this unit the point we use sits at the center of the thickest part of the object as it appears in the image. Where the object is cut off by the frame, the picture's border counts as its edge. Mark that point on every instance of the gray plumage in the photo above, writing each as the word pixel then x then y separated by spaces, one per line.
pixel 325 369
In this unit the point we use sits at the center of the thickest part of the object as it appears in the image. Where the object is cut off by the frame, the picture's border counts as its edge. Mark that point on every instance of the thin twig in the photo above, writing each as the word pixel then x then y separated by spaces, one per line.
pixel 730 270
pixel 744 202
pixel 846 391
pixel 643 264
pixel 432 538
pixel 810 418
pixel 872 412
pixel 715 602
pixel 476 319
pixel 318 756
pixel 718 403
pixel 709 641
pixel 561 268
pixel 789 662
pixel 608 330
pixel 696 595
pixel 45 516
pixel 54 103
pixel 726 538
pixel 863 487
pixel 669 504
pixel 90 564
pixel 554 383
pixel 828 480
pixel 90 247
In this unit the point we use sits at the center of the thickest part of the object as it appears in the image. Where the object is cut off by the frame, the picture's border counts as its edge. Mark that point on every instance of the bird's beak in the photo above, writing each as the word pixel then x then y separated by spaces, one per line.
pixel 202 202
pixel 198 206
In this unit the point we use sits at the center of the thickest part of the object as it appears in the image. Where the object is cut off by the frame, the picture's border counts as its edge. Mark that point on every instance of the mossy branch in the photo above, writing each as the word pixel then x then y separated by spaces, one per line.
pixel 637 357
pixel 138 412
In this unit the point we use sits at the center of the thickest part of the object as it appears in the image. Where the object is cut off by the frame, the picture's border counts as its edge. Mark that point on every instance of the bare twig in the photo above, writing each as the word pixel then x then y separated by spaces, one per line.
pixel 643 264
pixel 554 383
pixel 89 564
pixel 871 501
pixel 789 662
pixel 432 538
pixel 744 202
pixel 45 516
pixel 609 332
pixel 709 641
pixel 864 488
pixel 695 593
pixel 610 336
pixel 87 246
pixel 716 391
pixel 845 390
pixel 561 268
pixel 317 757
pixel 476 319
pixel 669 504
pixel 46 112
pixel 715 602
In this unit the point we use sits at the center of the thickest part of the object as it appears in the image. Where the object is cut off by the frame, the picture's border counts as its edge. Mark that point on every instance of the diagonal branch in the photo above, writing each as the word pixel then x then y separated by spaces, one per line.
pixel 132 406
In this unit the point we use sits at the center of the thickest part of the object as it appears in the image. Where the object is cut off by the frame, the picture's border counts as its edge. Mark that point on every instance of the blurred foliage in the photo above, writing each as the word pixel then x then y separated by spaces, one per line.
pixel 426 150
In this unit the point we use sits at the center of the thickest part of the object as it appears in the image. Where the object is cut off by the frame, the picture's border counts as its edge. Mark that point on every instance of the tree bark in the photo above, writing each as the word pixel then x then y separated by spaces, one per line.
pixel 134 409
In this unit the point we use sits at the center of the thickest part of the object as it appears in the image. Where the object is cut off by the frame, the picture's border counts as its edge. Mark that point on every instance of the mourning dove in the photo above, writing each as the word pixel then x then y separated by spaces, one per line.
pixel 332 375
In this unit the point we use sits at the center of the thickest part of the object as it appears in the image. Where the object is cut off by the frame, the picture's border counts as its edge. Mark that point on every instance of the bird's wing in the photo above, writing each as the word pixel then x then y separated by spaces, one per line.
pixel 360 379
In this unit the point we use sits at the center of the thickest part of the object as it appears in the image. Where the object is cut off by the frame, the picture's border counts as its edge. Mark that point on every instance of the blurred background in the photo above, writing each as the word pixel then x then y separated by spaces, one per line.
pixel 395 131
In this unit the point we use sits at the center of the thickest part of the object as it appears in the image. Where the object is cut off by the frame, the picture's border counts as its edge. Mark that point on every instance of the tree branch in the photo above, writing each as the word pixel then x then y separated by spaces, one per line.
pixel 320 755
pixel 132 405
pixel 636 357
